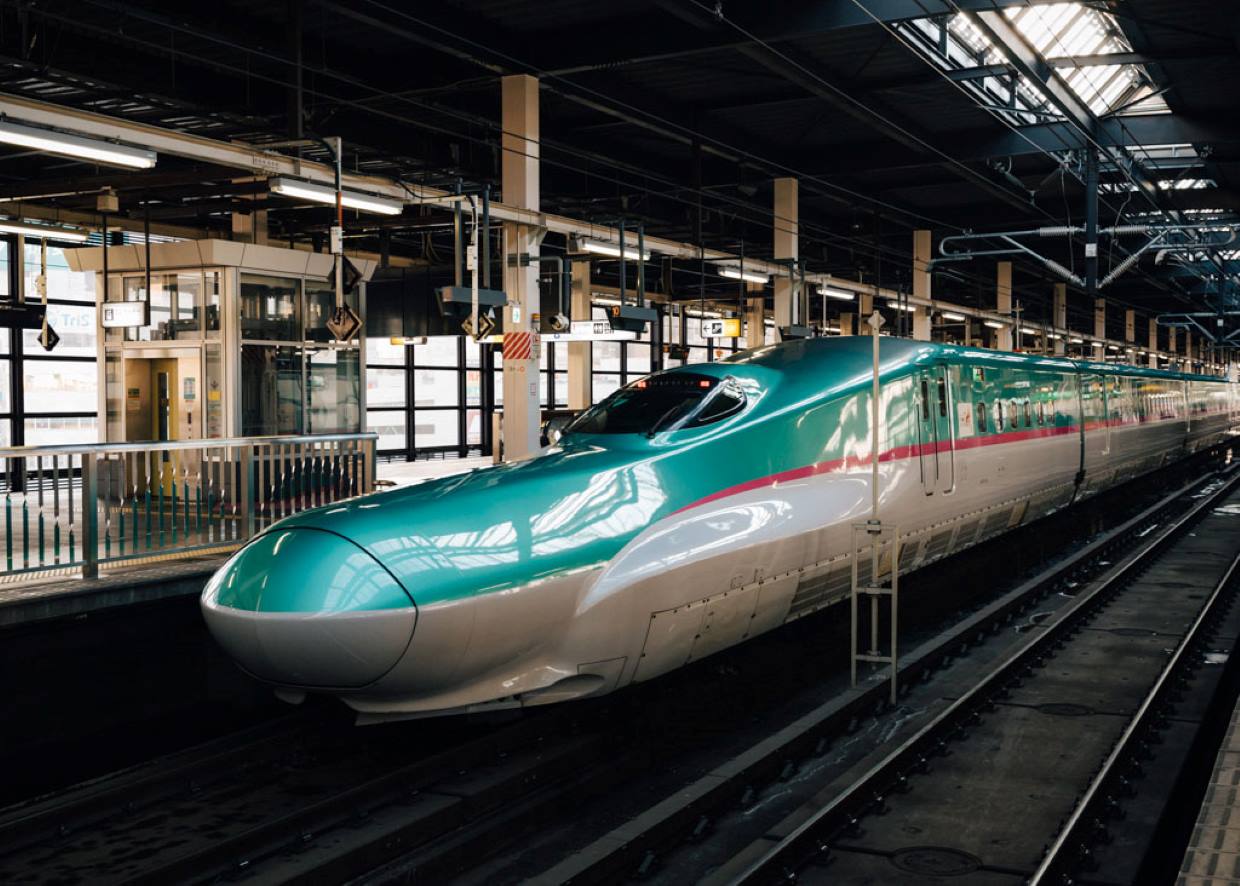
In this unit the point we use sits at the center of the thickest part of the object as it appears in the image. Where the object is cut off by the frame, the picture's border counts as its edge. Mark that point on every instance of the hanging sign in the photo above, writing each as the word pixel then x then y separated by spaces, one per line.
pixel 725 328
pixel 344 324
pixel 591 330
pixel 21 315
pixel 125 314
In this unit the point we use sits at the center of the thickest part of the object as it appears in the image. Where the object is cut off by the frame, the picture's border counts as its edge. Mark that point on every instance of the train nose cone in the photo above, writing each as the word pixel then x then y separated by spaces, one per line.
pixel 308 607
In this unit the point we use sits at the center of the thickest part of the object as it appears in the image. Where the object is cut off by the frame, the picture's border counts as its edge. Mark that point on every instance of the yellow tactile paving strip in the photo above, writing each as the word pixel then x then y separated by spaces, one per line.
pixel 1213 857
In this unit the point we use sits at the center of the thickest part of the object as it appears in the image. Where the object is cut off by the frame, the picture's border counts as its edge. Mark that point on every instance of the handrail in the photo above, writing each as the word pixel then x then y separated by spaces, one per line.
pixel 84 504
pixel 169 445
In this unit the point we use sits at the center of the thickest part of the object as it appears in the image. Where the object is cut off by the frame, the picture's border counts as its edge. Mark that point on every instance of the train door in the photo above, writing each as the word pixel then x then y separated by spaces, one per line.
pixel 934 430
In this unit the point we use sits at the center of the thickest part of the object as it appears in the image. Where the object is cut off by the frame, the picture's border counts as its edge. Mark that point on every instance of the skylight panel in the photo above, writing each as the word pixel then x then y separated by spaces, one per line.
pixel 1060 32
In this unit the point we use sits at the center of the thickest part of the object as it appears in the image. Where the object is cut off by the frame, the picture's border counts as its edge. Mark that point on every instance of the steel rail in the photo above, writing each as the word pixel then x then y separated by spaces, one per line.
pixel 1058 860
pixel 813 836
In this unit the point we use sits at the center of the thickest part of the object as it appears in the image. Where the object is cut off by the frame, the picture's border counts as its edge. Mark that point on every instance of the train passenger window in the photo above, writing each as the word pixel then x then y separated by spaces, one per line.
pixel 981 417
pixel 998 415
pixel 1028 415
pixel 925 401
pixel 1041 413
pixel 942 397
pixel 1013 416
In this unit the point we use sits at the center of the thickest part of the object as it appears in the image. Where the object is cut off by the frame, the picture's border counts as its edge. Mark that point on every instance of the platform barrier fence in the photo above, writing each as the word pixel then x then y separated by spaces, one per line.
pixel 73 509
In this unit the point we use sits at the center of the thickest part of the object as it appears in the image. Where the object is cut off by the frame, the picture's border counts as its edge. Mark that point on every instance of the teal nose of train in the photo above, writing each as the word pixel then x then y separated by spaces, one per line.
pixel 307 607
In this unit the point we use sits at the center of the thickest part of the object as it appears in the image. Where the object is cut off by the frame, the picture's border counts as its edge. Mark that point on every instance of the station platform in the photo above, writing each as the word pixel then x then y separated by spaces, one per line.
pixel 49 596
pixel 1213 854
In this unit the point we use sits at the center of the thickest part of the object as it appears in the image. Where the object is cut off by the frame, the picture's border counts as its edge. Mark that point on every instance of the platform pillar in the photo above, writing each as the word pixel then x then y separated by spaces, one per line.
pixel 1059 316
pixel 1153 344
pixel 1003 304
pixel 847 322
pixel 1171 349
pixel 1100 328
pixel 519 144
pixel 755 318
pixel 786 230
pixel 921 283
pixel 580 353
pixel 865 307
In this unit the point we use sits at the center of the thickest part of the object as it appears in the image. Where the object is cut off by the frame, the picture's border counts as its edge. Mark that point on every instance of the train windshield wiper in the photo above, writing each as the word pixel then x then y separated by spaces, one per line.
pixel 671 413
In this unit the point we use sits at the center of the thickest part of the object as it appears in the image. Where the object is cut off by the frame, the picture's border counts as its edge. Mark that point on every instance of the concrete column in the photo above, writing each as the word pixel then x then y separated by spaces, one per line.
pixel 1171 347
pixel 1059 316
pixel 519 169
pixel 1188 349
pixel 921 284
pixel 1153 345
pixel 786 246
pixel 865 307
pixel 847 324
pixel 580 353
pixel 1100 327
pixel 260 227
pixel 755 318
pixel 1003 304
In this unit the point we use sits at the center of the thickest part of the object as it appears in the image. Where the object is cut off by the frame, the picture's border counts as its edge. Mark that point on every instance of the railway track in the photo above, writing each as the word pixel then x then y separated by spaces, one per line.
pixel 1085 699
pixel 696 829
pixel 301 796
pixel 302 800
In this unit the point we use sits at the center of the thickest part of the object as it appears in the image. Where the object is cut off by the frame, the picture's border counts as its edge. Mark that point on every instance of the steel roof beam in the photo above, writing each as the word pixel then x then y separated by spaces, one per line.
pixel 1030 63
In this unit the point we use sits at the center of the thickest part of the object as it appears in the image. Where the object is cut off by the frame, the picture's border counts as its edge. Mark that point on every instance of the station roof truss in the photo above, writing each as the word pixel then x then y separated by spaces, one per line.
pixel 894 115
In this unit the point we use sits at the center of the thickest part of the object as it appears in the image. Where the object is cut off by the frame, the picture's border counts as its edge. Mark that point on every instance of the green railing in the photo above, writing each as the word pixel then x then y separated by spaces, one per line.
pixel 73 508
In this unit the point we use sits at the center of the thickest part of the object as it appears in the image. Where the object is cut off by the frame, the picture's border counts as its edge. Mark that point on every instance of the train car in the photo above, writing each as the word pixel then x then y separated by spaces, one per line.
pixel 689 511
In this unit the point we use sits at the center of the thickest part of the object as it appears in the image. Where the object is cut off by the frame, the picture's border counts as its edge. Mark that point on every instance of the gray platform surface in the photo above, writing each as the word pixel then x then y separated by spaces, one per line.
pixel 1213 856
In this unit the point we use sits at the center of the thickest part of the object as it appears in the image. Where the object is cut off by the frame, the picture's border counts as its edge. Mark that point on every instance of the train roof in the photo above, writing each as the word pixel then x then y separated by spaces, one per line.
pixel 817 367
pixel 899 353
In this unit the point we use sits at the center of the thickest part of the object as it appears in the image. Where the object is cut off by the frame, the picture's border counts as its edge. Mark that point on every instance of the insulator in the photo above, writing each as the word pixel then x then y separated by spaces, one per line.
pixel 1059 269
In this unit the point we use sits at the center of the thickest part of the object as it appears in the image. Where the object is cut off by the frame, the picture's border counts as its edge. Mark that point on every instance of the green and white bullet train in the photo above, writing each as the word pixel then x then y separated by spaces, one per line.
pixel 688 512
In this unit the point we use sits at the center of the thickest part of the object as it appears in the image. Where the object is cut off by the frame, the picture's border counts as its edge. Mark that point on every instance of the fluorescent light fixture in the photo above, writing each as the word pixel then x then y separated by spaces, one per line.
pixel 291 187
pixel 73 235
pixel 950 315
pixel 841 294
pixel 899 307
pixel 1076 341
pixel 1027 331
pixel 1056 336
pixel 602 247
pixel 733 272
pixel 992 324
pixel 76 146
pixel 1112 347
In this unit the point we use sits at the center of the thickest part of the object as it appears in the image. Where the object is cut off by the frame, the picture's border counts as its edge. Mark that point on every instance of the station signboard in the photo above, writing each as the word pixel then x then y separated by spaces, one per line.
pixel 125 314
pixel 729 327
pixel 21 315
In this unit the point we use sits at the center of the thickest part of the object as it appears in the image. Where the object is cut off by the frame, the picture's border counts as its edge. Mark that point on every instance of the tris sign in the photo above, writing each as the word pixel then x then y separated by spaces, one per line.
pixel 729 328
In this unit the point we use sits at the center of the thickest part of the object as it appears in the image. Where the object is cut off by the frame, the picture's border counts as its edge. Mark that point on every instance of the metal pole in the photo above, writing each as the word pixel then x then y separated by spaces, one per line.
pixel 90 516
pixel 1091 224
pixel 337 235
pixel 641 265
pixel 876 321
pixel 623 287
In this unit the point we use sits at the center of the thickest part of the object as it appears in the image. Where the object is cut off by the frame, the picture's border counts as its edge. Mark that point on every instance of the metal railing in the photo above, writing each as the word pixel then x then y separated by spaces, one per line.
pixel 73 508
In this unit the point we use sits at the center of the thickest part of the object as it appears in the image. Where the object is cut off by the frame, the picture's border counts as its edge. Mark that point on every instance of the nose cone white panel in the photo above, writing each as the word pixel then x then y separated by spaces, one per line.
pixel 338 650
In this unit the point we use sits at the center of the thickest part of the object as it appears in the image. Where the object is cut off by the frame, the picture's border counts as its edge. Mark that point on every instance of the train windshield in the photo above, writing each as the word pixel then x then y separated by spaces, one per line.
pixel 661 403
